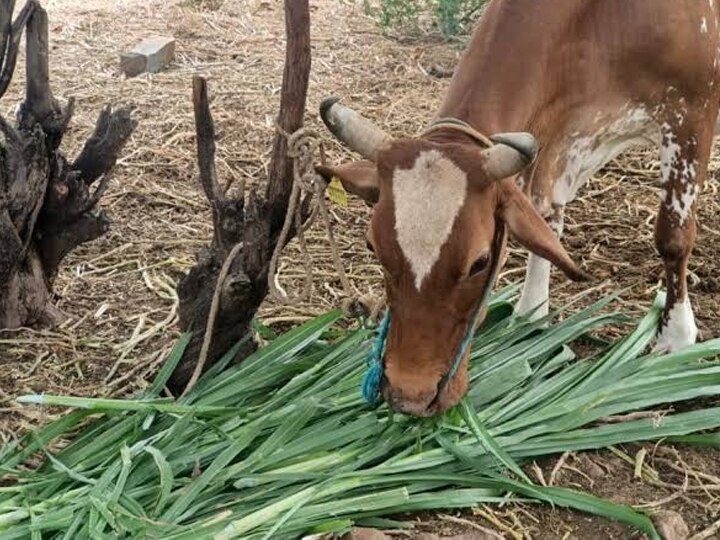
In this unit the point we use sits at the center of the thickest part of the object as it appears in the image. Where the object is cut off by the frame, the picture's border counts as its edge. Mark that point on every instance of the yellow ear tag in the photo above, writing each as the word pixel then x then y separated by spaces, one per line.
pixel 336 192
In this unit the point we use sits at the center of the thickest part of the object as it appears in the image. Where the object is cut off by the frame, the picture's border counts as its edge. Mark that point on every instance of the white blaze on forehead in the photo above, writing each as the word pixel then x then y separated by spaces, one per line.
pixel 428 198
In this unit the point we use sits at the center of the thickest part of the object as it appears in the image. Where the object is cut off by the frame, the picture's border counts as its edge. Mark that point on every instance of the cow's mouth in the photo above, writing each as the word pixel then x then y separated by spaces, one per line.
pixel 431 405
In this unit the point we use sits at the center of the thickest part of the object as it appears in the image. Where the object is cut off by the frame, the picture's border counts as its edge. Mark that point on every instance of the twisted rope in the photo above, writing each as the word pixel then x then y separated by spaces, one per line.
pixel 302 146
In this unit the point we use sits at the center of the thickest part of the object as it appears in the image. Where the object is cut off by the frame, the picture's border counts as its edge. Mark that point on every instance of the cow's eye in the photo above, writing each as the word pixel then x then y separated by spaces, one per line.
pixel 479 265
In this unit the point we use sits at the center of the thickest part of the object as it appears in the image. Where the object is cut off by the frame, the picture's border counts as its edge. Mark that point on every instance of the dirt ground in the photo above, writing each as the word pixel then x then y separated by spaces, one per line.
pixel 118 292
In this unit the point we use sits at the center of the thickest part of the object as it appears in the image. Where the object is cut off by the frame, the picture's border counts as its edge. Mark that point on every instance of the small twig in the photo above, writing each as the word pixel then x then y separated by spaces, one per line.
pixel 558 466
pixel 40 357
pixel 489 516
pixel 697 474
pixel 660 502
pixel 649 474
pixel 655 415
pixel 472 525
pixel 539 474
pixel 639 462
pixel 707 533
pixel 580 473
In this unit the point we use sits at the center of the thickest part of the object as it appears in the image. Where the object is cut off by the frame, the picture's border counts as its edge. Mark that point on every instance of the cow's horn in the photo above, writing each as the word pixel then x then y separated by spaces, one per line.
pixel 510 155
pixel 357 132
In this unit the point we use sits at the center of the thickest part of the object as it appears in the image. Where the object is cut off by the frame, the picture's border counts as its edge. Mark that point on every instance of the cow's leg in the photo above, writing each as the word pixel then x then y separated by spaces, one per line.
pixel 536 289
pixel 684 154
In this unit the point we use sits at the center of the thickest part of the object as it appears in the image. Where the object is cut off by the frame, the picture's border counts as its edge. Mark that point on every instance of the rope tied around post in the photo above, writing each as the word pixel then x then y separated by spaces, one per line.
pixel 307 197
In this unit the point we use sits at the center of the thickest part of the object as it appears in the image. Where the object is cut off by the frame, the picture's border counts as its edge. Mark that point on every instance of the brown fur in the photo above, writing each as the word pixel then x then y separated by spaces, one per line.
pixel 550 72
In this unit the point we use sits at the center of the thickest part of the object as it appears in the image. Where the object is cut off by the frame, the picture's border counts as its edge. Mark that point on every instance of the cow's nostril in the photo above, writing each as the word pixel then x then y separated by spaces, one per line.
pixel 406 406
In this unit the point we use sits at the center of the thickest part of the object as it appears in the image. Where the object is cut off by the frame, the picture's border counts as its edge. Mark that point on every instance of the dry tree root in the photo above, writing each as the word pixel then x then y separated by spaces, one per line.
pixel 48 206
pixel 253 221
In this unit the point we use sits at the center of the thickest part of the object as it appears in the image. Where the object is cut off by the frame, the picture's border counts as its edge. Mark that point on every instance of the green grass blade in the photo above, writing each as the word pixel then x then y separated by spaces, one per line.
pixel 13 455
pixel 166 479
pixel 100 404
pixel 484 438
pixel 195 489
pixel 600 507
pixel 170 364
pixel 710 440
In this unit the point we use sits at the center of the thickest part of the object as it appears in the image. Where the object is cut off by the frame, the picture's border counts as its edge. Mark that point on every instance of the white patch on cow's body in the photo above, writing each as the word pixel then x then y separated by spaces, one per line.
pixel 703 26
pixel 669 153
pixel 682 204
pixel 679 331
pixel 428 198
pixel 587 153
pixel 673 167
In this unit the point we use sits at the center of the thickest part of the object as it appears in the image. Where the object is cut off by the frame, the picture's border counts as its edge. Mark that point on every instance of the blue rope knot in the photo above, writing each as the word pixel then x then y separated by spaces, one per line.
pixel 373 376
pixel 371 380
pixel 376 367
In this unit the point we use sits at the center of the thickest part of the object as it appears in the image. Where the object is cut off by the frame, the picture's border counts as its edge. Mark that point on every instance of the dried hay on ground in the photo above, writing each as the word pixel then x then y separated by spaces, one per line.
pixel 119 291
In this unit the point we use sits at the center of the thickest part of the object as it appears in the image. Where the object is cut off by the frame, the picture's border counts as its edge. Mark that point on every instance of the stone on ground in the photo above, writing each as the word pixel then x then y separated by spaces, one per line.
pixel 149 56
pixel 671 525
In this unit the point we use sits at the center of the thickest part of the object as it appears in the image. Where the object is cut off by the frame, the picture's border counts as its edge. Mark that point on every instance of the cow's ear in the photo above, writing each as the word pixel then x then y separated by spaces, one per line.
pixel 532 232
pixel 359 178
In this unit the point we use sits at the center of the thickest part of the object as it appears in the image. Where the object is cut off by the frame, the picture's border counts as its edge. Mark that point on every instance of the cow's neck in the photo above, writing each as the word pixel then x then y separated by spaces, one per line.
pixel 501 82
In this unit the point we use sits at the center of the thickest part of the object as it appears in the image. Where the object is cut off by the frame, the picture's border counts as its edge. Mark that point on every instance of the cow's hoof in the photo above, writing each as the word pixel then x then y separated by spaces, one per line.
pixel 678 331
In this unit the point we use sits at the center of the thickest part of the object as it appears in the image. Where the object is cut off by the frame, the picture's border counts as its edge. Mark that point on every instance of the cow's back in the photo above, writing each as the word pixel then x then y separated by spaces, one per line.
pixel 581 53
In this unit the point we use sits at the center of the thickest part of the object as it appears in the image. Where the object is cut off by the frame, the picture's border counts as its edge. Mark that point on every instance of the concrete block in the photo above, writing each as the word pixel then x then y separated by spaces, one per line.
pixel 149 56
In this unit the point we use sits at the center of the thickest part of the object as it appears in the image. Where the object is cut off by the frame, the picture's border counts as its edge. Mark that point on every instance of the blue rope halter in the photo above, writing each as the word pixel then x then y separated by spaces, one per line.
pixel 376 368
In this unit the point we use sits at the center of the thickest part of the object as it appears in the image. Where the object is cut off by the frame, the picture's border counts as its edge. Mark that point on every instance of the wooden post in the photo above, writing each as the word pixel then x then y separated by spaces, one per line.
pixel 250 218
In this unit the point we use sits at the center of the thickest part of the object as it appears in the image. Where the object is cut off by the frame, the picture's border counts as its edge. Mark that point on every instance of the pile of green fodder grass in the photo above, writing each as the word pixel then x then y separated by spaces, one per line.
pixel 283 446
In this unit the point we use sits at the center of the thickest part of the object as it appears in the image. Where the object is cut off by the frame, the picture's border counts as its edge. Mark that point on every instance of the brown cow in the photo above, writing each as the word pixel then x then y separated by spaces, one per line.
pixel 588 79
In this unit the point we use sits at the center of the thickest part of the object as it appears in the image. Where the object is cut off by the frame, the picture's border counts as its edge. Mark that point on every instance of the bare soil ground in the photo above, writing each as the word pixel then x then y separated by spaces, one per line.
pixel 118 292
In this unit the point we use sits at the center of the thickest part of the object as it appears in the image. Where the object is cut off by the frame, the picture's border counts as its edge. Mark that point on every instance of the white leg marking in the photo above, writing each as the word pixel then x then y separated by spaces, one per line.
pixel 535 297
pixel 536 290
pixel 680 331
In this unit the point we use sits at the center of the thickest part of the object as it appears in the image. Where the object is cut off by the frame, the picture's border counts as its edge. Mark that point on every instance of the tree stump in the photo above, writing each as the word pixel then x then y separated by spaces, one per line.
pixel 246 229
pixel 48 205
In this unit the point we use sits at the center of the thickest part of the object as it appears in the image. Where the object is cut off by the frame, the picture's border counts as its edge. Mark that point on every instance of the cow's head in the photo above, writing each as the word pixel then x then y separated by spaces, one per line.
pixel 437 203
